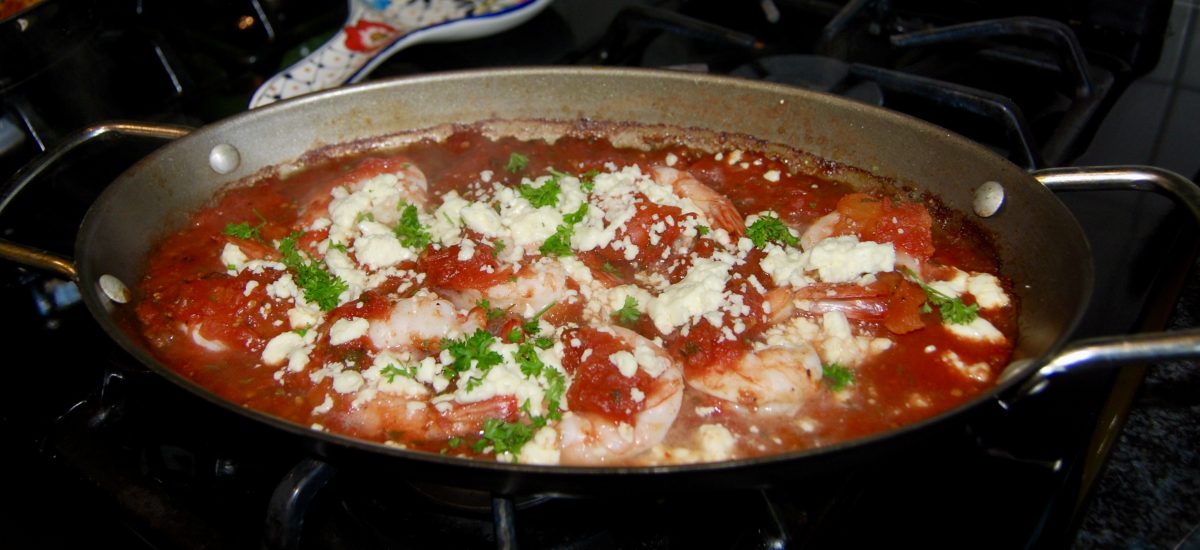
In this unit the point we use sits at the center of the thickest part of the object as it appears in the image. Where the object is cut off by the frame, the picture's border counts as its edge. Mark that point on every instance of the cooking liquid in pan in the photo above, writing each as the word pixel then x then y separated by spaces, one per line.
pixel 211 321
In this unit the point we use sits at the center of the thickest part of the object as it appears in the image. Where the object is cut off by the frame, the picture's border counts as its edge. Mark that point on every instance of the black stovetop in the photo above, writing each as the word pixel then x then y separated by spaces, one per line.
pixel 108 452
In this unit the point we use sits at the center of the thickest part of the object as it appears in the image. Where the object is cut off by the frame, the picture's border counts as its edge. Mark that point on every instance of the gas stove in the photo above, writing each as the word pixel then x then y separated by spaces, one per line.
pixel 112 453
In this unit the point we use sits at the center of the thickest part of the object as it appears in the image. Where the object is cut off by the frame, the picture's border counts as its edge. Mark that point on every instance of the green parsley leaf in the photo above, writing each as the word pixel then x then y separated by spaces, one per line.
pixel 629 312
pixel 341 247
pixel 241 230
pixel 320 287
pixel 410 231
pixel 576 216
pixel 531 325
pixel 472 349
pixel 492 313
pixel 952 310
pixel 702 230
pixel 302 331
pixel 546 195
pixel 587 181
pixel 769 228
pixel 836 376
pixel 498 246
pixel 504 437
pixel 527 358
pixel 244 231
pixel 454 442
pixel 559 244
pixel 556 387
pixel 609 268
pixel 392 371
pixel 516 162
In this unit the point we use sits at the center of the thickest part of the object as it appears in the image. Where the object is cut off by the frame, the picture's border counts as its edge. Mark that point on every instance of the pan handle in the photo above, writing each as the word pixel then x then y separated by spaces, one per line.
pixel 1126 349
pixel 49 261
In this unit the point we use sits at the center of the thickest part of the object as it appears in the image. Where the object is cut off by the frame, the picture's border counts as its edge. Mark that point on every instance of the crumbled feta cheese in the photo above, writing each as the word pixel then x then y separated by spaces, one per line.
pixel 625 362
pixel 987 291
pixel 979 330
pixel 700 292
pixel 347 381
pixel 716 442
pixel 843 259
pixel 233 256
pixel 348 329
pixel 281 346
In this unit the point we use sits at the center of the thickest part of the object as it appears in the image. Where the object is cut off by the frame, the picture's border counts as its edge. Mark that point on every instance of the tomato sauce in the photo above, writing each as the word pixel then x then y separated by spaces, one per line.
pixel 214 322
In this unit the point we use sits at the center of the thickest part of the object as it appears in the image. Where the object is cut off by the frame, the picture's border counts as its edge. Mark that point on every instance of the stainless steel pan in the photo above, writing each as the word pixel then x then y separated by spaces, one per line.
pixel 1041 246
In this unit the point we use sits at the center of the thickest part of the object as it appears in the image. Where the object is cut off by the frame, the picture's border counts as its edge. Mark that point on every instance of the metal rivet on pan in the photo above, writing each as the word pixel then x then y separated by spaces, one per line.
pixel 224 158
pixel 989 197
pixel 114 289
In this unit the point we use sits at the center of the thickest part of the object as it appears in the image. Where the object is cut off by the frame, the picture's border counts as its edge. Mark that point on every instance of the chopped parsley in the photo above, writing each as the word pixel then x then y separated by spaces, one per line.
pixel 516 162
pixel 836 376
pixel 559 244
pixel 952 310
pixel 546 195
pixel 341 247
pixel 498 246
pixel 319 285
pixel 702 230
pixel 526 357
pixel 770 229
pixel 302 331
pixel 576 216
pixel 244 230
pixel 609 268
pixel 410 231
pixel 472 351
pixel 504 437
pixel 492 313
pixel 587 181
pixel 531 326
pixel 392 371
pixel 241 230
pixel 629 312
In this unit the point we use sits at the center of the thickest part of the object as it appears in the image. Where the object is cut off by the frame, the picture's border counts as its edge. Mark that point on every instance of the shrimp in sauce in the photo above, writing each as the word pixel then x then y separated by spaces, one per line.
pixel 578 303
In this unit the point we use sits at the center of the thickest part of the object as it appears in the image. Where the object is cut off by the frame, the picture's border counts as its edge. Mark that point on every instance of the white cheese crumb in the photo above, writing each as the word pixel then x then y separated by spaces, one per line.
pixel 843 259
pixel 346 330
pixel 771 175
pixel 979 330
pixel 324 407
pixel 716 442
pixel 347 381
pixel 281 346
pixel 625 363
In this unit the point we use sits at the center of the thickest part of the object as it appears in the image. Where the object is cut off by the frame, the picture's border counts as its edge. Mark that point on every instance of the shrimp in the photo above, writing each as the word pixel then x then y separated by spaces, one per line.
pixel 716 207
pixel 392 416
pixel 625 395
pixel 535 287
pixel 426 316
pixel 778 377
pixel 890 299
